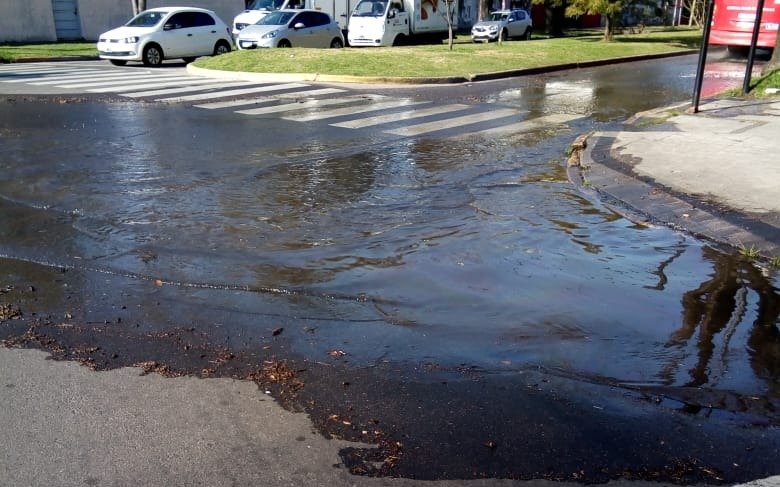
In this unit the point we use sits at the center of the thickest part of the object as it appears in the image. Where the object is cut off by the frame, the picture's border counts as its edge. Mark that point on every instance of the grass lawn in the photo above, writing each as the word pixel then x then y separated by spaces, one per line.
pixel 10 53
pixel 760 87
pixel 465 59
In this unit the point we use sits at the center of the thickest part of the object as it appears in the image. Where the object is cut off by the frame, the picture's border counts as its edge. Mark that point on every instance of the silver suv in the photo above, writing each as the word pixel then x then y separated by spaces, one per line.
pixel 505 23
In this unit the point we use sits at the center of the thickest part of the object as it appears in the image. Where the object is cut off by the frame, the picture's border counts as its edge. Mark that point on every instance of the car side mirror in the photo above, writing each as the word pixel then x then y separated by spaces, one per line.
pixel 168 27
pixel 299 25
pixel 392 13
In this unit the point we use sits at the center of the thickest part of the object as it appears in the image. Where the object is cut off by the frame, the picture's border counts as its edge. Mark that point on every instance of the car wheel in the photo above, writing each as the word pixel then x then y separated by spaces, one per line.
pixel 336 43
pixel 153 55
pixel 221 47
pixel 284 43
pixel 504 35
pixel 117 62
pixel 399 40
pixel 527 35
pixel 188 60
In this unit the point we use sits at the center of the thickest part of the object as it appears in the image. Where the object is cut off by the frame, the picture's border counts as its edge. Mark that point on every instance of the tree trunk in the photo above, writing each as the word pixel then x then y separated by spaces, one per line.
pixel 692 13
pixel 609 27
pixel 451 20
pixel 483 10
pixel 557 20
pixel 138 6
pixel 774 61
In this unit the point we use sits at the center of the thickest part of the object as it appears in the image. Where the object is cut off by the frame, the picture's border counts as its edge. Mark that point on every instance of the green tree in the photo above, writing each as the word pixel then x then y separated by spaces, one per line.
pixel 609 9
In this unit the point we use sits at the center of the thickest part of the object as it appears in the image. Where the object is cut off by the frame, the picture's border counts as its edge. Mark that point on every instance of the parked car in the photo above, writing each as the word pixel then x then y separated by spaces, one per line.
pixel 255 10
pixel 166 33
pixel 292 28
pixel 505 23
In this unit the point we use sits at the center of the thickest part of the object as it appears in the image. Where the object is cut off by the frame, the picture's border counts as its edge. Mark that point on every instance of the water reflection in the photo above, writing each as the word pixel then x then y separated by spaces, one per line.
pixel 715 314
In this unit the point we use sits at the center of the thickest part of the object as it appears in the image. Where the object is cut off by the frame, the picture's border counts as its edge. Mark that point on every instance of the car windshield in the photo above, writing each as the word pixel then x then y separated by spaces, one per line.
pixel 146 19
pixel 265 5
pixel 369 8
pixel 276 18
pixel 498 16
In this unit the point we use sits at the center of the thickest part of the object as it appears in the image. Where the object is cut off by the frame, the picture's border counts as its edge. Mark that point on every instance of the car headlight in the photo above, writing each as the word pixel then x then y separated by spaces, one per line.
pixel 271 34
pixel 493 28
pixel 130 40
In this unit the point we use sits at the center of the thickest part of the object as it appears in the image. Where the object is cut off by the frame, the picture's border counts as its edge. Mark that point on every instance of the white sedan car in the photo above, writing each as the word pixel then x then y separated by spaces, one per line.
pixel 166 33
pixel 292 28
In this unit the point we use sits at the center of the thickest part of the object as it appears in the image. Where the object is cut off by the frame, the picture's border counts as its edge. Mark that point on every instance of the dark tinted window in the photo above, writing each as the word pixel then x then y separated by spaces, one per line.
pixel 200 19
pixel 312 19
pixel 321 18
pixel 178 21
pixel 184 20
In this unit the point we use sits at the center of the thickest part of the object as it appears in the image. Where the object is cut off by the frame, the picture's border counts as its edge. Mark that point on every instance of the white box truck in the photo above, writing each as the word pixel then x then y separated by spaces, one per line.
pixel 394 22
pixel 257 9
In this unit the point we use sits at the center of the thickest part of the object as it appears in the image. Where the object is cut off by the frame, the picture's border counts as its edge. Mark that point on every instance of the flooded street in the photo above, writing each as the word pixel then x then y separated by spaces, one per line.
pixel 455 253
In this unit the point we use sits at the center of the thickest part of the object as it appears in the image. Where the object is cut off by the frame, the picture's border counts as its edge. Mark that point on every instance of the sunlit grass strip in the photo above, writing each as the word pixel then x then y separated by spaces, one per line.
pixel 17 52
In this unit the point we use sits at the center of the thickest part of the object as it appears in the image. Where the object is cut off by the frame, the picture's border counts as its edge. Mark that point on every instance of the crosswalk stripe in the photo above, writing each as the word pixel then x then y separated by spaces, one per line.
pixel 223 94
pixel 525 125
pixel 265 99
pixel 35 76
pixel 200 85
pixel 94 75
pixel 51 76
pixel 397 117
pixel 148 84
pixel 290 107
pixel 425 128
pixel 16 69
pixel 338 112
pixel 127 81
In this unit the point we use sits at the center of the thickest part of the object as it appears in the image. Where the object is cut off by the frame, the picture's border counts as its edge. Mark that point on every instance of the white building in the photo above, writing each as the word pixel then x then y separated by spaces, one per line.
pixel 53 20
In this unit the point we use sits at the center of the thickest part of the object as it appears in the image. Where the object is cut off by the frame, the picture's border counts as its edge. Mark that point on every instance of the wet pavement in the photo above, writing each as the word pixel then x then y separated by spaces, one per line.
pixel 425 294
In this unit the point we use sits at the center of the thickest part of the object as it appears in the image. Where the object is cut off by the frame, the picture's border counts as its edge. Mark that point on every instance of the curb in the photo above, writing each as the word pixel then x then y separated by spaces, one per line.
pixel 316 77
pixel 594 172
pixel 580 65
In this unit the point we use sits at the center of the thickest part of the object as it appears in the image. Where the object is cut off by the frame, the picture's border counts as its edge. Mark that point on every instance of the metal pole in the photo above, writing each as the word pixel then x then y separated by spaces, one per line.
pixel 752 52
pixel 703 55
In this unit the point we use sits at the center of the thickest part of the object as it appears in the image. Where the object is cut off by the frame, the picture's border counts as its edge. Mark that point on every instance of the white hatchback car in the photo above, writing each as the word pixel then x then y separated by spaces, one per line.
pixel 504 23
pixel 166 33
pixel 292 28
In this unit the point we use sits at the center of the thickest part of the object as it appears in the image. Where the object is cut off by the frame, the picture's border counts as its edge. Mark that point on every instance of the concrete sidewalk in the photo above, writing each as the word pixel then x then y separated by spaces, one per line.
pixel 714 174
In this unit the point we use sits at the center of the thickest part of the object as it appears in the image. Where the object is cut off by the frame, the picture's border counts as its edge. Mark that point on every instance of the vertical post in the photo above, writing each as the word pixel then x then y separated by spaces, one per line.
pixel 703 55
pixel 752 52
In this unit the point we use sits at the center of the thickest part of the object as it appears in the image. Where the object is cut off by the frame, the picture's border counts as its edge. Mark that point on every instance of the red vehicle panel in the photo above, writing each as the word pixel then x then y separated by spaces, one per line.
pixel 733 21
